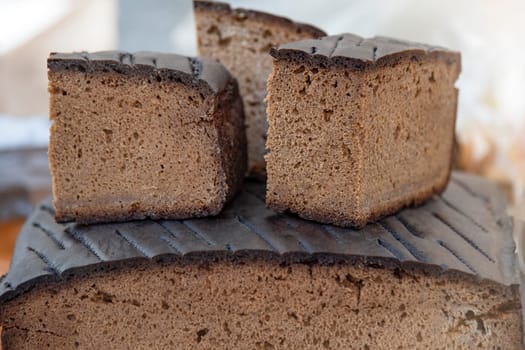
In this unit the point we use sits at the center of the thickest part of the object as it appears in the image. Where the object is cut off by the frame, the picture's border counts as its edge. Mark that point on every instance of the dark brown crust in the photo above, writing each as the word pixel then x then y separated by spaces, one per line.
pixel 241 14
pixel 245 257
pixel 358 53
pixel 203 73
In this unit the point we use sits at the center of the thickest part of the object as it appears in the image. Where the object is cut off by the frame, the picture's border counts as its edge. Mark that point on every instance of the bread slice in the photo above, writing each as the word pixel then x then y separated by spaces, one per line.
pixel 359 128
pixel 241 39
pixel 437 277
pixel 144 135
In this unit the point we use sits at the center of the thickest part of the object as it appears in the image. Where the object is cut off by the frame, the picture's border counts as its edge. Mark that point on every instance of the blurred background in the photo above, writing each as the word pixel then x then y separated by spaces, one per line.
pixel 489 34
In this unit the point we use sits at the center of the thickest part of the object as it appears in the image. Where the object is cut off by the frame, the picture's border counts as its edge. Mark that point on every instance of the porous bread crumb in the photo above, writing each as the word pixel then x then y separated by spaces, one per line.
pixel 348 146
pixel 258 304
pixel 130 146
pixel 241 40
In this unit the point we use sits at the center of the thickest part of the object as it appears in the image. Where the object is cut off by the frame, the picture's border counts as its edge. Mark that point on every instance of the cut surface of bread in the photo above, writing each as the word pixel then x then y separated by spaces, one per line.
pixel 439 276
pixel 246 304
pixel 241 40
pixel 359 128
pixel 144 135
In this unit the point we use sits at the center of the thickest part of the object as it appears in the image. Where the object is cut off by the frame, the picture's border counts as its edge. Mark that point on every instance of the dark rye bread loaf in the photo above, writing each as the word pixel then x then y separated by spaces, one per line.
pixel 359 128
pixel 439 276
pixel 144 135
pixel 241 39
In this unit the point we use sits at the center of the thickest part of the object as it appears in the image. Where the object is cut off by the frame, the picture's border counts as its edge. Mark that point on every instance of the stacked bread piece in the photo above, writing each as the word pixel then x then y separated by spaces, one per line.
pixel 358 129
pixel 143 135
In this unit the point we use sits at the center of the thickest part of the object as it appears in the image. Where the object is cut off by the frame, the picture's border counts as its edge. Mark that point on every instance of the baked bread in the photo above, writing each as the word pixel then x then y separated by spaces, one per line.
pixel 441 276
pixel 145 135
pixel 359 128
pixel 241 39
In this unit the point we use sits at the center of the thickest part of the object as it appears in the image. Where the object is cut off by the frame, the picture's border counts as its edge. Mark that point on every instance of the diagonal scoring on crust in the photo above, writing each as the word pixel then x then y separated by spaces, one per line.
pixel 435 234
pixel 204 70
pixel 355 51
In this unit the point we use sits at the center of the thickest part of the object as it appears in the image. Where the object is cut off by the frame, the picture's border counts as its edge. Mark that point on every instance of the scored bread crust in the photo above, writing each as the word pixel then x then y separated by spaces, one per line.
pixel 241 13
pixel 441 278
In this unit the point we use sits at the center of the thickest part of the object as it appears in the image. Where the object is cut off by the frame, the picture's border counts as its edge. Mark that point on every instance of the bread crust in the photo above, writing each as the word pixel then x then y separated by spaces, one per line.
pixel 209 79
pixel 241 13
pixel 350 53
pixel 439 269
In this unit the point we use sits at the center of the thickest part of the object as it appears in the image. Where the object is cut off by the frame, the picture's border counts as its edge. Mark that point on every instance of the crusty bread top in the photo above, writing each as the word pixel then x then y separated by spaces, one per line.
pixel 172 67
pixel 242 14
pixel 465 230
pixel 354 51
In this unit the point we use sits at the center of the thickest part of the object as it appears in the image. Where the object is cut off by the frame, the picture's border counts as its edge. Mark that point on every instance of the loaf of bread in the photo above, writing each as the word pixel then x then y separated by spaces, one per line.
pixel 143 135
pixel 241 39
pixel 359 128
pixel 437 277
